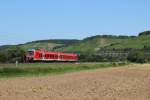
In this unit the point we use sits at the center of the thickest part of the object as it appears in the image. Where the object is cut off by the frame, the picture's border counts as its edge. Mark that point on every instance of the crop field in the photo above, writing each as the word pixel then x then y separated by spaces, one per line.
pixel 131 82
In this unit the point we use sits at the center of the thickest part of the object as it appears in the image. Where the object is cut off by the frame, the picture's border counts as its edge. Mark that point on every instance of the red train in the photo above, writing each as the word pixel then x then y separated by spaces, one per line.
pixel 43 55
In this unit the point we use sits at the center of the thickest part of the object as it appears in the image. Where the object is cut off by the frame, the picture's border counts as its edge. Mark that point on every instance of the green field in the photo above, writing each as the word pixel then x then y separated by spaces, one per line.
pixel 38 69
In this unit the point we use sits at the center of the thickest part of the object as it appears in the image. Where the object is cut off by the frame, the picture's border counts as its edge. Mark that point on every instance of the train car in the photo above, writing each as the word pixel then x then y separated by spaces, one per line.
pixel 43 55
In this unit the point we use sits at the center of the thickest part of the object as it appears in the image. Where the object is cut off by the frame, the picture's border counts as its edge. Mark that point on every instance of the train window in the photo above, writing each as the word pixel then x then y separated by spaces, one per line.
pixel 52 56
pixel 55 56
pixel 40 55
pixel 30 52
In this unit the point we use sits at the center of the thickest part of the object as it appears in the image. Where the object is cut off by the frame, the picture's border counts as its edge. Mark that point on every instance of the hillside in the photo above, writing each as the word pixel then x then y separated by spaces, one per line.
pixel 88 45
pixel 43 44
pixel 94 44
pixel 47 44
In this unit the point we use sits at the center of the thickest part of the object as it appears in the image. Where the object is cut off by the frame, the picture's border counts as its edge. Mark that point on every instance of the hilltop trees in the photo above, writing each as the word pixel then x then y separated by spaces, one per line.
pixel 144 33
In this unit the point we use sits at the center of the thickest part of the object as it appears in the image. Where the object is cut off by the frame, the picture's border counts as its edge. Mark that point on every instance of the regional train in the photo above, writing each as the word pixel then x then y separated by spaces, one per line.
pixel 33 55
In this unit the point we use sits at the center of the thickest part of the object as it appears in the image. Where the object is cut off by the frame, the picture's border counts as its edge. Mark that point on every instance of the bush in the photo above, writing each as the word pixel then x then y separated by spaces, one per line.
pixel 3 57
pixel 137 56
pixel 90 58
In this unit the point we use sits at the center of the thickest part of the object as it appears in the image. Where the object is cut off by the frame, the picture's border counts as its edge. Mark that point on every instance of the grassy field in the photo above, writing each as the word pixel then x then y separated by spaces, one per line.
pixel 36 69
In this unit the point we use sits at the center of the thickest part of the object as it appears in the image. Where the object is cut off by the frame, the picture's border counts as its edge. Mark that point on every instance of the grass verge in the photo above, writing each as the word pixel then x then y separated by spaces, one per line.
pixel 48 68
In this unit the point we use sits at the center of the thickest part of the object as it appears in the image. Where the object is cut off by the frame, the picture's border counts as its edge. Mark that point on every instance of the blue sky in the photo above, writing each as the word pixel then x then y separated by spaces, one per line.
pixel 27 20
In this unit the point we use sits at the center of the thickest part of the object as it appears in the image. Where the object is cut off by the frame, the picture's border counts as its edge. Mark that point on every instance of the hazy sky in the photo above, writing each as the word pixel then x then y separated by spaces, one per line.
pixel 28 20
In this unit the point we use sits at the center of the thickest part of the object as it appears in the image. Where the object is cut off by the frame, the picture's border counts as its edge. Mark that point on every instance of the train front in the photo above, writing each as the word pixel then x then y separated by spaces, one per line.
pixel 30 55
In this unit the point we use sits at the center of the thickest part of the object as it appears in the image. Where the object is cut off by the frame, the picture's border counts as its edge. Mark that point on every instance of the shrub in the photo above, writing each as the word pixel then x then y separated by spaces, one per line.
pixel 137 56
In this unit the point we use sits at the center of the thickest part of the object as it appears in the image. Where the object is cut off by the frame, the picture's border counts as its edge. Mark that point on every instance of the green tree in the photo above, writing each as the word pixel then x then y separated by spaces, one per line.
pixel 3 57
pixel 15 53
pixel 11 54
pixel 137 56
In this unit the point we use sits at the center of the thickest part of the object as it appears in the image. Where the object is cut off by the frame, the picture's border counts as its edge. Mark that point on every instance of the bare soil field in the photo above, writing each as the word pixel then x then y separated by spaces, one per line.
pixel 131 82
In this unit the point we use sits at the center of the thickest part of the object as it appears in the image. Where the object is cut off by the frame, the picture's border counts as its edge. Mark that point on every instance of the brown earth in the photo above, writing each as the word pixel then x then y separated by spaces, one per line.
pixel 123 83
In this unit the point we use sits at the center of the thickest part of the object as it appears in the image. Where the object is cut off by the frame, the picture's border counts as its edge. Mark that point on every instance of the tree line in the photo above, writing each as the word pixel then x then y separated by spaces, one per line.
pixel 12 54
pixel 111 55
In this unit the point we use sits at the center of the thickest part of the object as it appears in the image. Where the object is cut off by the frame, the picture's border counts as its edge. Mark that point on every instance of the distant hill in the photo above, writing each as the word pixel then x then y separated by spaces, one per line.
pixel 48 44
pixel 144 33
pixel 56 41
pixel 95 43
pixel 43 44
pixel 5 47
pixel 88 45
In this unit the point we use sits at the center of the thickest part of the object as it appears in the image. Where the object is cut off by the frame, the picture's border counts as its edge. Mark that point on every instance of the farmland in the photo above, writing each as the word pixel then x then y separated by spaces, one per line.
pixel 130 82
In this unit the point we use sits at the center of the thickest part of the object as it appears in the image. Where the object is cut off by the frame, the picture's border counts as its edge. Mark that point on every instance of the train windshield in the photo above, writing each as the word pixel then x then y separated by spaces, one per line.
pixel 30 52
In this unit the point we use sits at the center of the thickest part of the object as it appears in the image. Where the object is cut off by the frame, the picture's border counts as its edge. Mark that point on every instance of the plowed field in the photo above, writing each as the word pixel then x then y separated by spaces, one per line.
pixel 130 82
